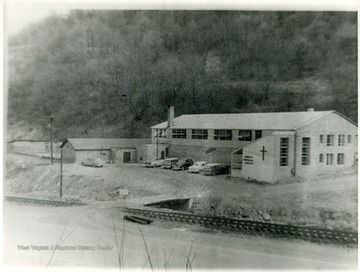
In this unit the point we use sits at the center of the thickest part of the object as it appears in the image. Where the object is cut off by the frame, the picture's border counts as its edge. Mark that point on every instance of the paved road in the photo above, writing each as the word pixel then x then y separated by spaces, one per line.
pixel 91 227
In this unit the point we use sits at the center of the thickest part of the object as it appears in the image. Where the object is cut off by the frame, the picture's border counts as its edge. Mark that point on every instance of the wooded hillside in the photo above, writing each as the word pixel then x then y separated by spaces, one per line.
pixel 114 73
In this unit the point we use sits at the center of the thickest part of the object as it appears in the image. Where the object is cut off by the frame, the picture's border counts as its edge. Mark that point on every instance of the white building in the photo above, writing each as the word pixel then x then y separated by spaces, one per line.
pixel 262 146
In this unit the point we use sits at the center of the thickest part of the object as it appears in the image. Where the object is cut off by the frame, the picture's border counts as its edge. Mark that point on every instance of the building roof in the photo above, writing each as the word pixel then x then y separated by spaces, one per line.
pixel 264 121
pixel 104 143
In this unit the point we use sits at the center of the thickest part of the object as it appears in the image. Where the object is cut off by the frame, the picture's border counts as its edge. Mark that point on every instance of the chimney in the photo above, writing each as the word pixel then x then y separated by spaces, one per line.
pixel 171 116
pixel 310 109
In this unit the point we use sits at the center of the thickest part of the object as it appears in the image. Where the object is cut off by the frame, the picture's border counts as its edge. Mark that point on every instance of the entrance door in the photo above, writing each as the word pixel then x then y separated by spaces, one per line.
pixel 127 156
pixel 162 155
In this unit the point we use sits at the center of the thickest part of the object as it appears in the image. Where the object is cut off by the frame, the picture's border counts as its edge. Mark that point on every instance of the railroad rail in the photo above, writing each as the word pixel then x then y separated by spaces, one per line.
pixel 314 234
pixel 41 202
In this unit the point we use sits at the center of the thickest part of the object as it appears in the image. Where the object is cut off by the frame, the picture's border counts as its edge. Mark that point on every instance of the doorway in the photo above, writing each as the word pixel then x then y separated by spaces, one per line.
pixel 127 156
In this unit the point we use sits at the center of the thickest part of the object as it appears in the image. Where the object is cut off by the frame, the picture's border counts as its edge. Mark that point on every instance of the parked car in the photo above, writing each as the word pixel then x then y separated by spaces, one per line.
pixel 216 168
pixel 183 164
pixel 93 162
pixel 154 163
pixel 197 167
pixel 169 162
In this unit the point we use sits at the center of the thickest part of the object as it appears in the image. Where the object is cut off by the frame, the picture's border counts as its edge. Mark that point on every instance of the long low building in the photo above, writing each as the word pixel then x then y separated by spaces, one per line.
pixel 262 146
pixel 114 150
pixel 34 147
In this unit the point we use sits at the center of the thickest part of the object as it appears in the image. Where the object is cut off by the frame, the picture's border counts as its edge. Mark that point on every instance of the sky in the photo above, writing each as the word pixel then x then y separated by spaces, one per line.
pixel 20 13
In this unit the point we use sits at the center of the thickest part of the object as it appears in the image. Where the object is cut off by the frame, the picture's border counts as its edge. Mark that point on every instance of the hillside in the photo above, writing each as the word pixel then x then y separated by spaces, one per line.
pixel 114 73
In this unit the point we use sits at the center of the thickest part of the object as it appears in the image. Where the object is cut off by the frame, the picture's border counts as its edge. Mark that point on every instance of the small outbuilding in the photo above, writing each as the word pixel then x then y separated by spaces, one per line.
pixel 114 150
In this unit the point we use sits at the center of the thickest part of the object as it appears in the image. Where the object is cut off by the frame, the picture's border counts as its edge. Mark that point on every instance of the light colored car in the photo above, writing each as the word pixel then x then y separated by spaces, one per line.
pixel 154 163
pixel 93 162
pixel 197 167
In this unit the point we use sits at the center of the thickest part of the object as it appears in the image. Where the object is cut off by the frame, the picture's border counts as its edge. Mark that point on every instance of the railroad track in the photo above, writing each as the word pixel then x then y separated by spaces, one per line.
pixel 254 227
pixel 40 202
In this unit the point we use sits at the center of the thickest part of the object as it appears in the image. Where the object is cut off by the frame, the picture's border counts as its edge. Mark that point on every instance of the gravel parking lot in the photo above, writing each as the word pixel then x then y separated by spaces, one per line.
pixel 329 201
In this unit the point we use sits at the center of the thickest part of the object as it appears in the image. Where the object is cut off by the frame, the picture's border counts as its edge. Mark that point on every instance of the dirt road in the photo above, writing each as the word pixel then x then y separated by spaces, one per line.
pixel 85 237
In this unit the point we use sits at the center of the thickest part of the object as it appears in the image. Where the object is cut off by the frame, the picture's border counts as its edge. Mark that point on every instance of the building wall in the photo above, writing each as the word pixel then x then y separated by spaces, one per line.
pixel 69 153
pixel 153 151
pixel 82 155
pixel 283 172
pixel 330 124
pixel 119 156
pixel 141 152
pixel 199 153
pixel 254 168
pixel 234 143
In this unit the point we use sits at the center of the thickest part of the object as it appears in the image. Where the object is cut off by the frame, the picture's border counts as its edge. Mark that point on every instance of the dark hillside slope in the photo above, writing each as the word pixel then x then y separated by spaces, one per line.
pixel 114 73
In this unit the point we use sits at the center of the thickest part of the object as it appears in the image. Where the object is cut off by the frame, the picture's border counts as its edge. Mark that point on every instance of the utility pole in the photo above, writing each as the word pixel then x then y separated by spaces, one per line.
pixel 51 136
pixel 61 172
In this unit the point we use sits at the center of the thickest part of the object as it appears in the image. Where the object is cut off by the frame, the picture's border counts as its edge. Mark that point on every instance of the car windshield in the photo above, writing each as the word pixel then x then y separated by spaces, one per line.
pixel 180 162
pixel 198 163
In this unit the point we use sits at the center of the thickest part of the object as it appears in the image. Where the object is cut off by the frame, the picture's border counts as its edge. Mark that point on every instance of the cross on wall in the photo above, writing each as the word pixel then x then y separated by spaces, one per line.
pixel 263 152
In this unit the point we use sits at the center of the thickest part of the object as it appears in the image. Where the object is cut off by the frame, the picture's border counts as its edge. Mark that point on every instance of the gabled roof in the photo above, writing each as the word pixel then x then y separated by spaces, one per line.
pixel 264 121
pixel 104 143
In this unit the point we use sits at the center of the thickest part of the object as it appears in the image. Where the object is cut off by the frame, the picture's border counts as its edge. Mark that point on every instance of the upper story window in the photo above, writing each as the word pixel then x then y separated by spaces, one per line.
pixel 199 134
pixel 245 135
pixel 341 140
pixel 284 150
pixel 160 133
pixel 349 139
pixel 330 140
pixel 223 134
pixel 321 139
pixel 178 133
pixel 258 134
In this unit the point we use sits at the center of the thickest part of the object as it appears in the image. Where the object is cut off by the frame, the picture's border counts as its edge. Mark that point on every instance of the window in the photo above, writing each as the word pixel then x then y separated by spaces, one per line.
pixel 340 158
pixel 178 133
pixel 222 134
pixel 305 156
pixel 245 135
pixel 160 133
pixel 341 139
pixel 329 159
pixel 321 158
pixel 199 134
pixel 258 134
pixel 349 139
pixel 330 140
pixel 284 149
pixel 321 139
pixel 167 152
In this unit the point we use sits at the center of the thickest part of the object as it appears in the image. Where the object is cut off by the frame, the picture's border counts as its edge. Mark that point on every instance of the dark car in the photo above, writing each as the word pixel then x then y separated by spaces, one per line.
pixel 169 163
pixel 216 168
pixel 183 164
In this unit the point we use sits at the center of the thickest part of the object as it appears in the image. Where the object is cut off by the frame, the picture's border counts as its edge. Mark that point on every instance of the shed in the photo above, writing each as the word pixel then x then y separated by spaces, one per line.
pixel 117 150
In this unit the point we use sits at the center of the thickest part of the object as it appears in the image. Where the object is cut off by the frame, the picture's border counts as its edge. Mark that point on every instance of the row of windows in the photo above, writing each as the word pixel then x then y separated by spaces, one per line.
pixel 284 151
pixel 330 158
pixel 160 133
pixel 305 153
pixel 219 134
pixel 330 139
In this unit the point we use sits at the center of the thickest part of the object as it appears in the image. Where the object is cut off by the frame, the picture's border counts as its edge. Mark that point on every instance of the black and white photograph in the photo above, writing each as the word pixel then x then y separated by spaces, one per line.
pixel 187 136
